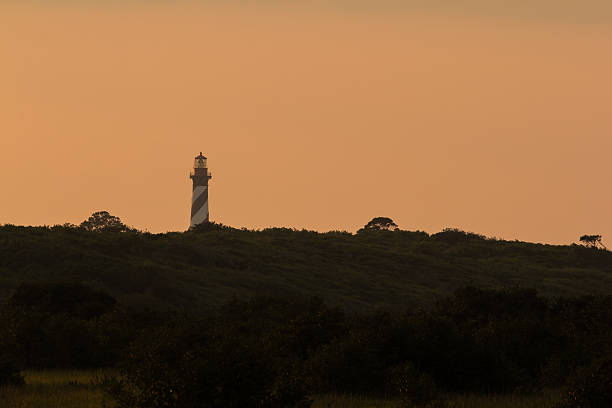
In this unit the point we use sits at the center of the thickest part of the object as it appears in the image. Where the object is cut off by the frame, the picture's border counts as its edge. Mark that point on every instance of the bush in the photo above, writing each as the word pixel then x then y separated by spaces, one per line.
pixel 210 226
pixel 9 372
pixel 206 365
pixel 455 236
pixel 52 325
pixel 415 388
pixel 357 362
pixel 70 299
pixel 590 388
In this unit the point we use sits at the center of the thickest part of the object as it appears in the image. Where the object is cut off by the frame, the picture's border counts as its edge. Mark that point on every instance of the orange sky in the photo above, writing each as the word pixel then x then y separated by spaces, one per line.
pixel 321 118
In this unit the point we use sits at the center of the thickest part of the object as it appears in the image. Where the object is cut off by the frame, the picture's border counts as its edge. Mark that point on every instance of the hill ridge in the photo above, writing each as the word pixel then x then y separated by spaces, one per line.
pixel 362 271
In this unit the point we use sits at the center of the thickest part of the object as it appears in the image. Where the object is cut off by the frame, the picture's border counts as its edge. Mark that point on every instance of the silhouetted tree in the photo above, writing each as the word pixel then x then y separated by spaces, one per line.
pixel 102 221
pixel 592 241
pixel 380 224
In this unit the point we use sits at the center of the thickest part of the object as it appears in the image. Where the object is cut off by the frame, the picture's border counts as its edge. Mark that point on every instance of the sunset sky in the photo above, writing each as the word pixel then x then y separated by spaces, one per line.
pixel 474 116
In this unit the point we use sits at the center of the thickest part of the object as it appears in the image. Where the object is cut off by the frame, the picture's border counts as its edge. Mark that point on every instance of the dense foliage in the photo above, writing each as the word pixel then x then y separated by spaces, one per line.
pixel 10 374
pixel 237 359
pixel 591 387
pixel 58 325
pixel 359 272
pixel 219 317
pixel 273 352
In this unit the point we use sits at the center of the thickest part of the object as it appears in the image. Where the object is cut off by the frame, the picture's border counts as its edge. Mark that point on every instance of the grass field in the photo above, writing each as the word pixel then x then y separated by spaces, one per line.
pixel 77 389
pixel 545 400
pixel 56 389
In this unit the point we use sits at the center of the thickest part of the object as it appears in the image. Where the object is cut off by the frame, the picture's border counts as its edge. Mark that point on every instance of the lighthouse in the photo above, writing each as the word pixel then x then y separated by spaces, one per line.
pixel 199 199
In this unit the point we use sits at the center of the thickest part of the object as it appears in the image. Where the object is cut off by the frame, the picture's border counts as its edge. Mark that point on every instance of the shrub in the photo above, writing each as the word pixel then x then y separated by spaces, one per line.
pixel 415 388
pixel 210 226
pixel 71 299
pixel 455 236
pixel 51 325
pixel 205 365
pixel 590 388
pixel 9 372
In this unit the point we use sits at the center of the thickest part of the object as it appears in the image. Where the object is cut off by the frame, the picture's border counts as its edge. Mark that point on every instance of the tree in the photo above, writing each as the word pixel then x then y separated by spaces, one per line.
pixel 380 224
pixel 592 241
pixel 102 221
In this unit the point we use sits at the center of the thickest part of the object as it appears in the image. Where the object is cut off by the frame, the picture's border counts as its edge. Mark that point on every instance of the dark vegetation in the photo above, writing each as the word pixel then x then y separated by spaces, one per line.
pixel 275 352
pixel 219 317
pixel 10 373
pixel 373 269
pixel 592 241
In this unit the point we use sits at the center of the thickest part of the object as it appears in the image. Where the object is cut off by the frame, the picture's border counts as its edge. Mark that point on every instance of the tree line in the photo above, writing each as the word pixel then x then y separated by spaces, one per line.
pixel 380 266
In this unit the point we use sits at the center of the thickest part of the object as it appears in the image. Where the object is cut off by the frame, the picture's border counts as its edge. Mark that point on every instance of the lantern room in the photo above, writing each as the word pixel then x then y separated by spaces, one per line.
pixel 200 162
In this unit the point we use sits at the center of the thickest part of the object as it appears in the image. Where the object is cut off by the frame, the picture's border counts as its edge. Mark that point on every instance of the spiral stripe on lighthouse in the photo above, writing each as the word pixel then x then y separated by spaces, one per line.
pixel 197 192
pixel 199 206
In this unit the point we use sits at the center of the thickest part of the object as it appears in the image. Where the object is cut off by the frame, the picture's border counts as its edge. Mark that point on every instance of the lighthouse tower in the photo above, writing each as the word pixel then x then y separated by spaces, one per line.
pixel 199 200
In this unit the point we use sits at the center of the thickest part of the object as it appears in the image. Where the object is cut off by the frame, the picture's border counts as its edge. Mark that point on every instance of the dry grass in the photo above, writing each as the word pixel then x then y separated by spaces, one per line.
pixel 56 389
pixel 345 401
pixel 77 389
pixel 546 399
